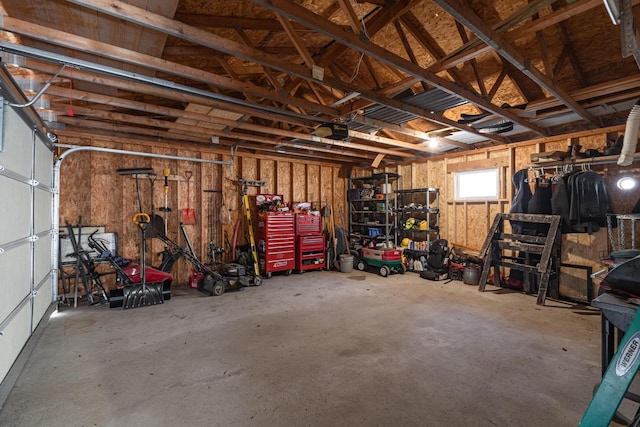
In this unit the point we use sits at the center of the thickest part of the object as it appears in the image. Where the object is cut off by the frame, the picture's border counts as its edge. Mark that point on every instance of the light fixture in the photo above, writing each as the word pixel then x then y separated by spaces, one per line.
pixel 431 142
pixel 626 183
pixel 613 9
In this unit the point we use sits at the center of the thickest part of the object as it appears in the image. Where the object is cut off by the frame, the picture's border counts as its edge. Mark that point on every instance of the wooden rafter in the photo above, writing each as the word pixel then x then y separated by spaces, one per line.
pixel 352 16
pixel 312 20
pixel 139 59
pixel 428 42
pixel 474 63
pixel 472 21
pixel 408 48
pixel 297 42
pixel 160 23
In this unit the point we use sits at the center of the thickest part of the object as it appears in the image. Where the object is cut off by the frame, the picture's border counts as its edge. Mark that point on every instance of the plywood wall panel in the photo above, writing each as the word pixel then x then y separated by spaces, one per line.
pixel 420 175
pixel 581 249
pixel 522 156
pixel 267 173
pixel 313 184
pixel 249 171
pixel 326 177
pixel 475 156
pixel 407 175
pixel 299 190
pixel 476 219
pixel 285 182
pixel 75 182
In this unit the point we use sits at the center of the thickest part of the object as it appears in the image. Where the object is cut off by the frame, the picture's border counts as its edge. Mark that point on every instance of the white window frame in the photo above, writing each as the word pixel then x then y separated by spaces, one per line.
pixel 469 178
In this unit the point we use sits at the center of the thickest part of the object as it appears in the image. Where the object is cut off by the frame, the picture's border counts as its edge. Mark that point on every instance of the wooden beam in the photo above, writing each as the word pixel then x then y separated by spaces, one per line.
pixel 105 50
pixel 477 164
pixel 160 23
pixel 406 131
pixel 140 88
pixel 469 19
pixel 352 17
pixel 171 112
pixel 297 42
pixel 312 21
pixel 474 63
pixel 408 48
pixel 205 132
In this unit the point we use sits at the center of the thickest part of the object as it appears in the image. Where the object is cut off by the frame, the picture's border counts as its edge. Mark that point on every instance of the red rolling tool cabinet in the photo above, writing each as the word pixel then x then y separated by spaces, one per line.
pixel 276 242
pixel 310 243
pixel 310 252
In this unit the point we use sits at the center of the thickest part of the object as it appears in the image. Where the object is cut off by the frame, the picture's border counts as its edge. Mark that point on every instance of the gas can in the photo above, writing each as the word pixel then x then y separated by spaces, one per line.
pixel 194 279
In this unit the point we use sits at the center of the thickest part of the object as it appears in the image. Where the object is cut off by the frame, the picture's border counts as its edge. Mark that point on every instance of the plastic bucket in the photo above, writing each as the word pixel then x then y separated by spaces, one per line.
pixel 346 263
pixel 471 274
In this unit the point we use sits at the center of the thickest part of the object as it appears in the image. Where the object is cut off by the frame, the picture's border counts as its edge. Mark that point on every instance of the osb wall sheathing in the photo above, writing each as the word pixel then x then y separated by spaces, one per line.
pixel 92 189
pixel 465 224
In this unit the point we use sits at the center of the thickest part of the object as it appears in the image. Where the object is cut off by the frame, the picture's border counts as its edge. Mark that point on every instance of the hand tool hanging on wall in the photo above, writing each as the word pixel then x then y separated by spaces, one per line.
pixel 212 248
pixel 166 209
pixel 188 214
pixel 156 227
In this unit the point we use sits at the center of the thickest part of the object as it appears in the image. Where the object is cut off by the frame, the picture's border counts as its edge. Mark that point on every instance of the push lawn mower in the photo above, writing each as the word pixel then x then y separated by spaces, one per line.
pixel 208 280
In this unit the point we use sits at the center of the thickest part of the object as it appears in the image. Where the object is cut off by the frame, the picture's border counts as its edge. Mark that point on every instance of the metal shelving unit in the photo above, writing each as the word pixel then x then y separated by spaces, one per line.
pixel 371 207
pixel 419 204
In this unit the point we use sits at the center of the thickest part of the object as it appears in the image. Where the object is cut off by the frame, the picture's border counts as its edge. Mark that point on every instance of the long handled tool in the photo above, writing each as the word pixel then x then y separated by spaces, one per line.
pixel 188 214
pixel 212 247
pixel 166 209
pixel 156 225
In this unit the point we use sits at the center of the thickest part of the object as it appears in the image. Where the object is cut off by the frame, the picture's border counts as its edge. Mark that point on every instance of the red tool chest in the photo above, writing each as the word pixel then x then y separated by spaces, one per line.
pixel 308 224
pixel 276 242
pixel 310 252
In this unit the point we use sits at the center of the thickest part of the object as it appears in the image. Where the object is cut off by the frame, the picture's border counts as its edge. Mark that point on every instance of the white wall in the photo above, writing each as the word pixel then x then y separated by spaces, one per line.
pixel 26 279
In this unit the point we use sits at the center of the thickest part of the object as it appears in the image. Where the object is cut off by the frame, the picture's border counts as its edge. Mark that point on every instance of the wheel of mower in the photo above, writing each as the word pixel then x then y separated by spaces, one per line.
pixel 361 265
pixel 288 272
pixel 257 281
pixel 384 271
pixel 403 269
pixel 218 289
pixel 267 276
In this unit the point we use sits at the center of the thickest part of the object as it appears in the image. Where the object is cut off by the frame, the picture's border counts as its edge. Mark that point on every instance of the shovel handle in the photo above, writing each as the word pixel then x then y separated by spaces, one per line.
pixel 141 218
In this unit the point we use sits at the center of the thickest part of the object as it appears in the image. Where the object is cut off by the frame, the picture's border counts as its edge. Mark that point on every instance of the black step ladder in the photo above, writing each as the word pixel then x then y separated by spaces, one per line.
pixel 546 271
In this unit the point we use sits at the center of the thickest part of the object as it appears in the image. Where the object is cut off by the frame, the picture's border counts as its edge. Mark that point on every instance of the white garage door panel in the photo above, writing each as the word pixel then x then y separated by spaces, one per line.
pixel 44 165
pixel 42 300
pixel 18 143
pixel 42 252
pixel 15 210
pixel 15 268
pixel 16 333
pixel 42 210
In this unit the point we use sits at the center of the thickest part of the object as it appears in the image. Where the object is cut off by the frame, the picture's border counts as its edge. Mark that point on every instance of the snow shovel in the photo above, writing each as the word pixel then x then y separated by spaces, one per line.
pixel 188 214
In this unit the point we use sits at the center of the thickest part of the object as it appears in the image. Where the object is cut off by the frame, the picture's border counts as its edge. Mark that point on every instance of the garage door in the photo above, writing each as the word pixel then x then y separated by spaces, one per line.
pixel 26 279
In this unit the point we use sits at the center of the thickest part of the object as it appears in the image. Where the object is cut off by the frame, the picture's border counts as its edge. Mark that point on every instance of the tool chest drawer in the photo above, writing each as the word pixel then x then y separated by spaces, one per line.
pixel 276 223
pixel 308 224
pixel 310 252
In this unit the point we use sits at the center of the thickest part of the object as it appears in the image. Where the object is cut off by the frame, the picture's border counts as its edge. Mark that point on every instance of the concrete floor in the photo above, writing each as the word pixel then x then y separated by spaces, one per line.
pixel 318 349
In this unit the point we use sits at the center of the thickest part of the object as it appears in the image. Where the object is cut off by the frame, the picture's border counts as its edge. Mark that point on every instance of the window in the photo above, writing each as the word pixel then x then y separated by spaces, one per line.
pixel 479 184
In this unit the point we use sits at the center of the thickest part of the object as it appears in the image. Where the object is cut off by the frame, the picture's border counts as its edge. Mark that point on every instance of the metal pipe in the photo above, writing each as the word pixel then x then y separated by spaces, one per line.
pixel 56 188
pixel 40 93
pixel 43 55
